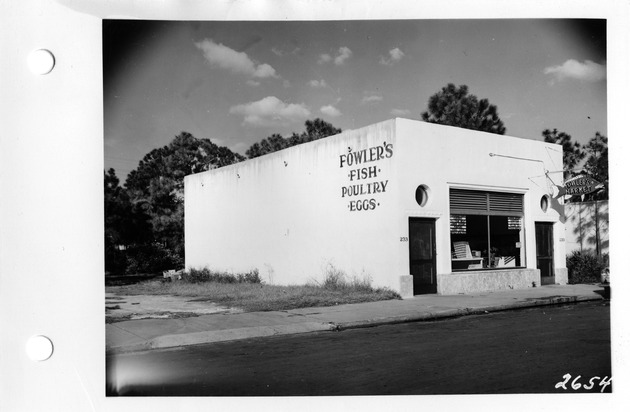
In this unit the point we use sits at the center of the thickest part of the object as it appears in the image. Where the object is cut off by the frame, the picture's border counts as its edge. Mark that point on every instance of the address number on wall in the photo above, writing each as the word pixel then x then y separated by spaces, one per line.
pixel 404 239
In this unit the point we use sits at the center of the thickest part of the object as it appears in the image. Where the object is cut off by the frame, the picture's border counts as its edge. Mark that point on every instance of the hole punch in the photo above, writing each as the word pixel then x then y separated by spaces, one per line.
pixel 39 348
pixel 41 61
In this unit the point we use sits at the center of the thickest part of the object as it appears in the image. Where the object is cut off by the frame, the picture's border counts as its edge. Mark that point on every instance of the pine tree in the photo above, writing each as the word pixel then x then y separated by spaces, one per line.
pixel 156 186
pixel 596 165
pixel 454 106
pixel 572 153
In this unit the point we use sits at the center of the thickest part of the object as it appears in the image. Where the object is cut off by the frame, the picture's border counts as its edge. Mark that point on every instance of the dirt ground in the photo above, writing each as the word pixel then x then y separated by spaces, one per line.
pixel 126 307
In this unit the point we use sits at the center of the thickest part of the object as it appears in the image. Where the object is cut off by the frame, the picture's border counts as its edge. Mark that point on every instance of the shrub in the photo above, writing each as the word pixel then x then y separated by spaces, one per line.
pixel 115 260
pixel 249 277
pixel 206 275
pixel 585 267
pixel 151 258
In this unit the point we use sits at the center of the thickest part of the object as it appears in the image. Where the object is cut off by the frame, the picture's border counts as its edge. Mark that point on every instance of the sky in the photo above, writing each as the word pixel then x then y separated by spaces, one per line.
pixel 237 82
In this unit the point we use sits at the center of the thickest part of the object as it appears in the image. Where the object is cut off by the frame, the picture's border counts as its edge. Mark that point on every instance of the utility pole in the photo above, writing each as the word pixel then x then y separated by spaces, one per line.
pixel 597 251
pixel 581 233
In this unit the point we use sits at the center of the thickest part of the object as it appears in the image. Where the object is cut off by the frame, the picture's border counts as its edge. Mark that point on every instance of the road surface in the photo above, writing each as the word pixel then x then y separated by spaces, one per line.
pixel 549 349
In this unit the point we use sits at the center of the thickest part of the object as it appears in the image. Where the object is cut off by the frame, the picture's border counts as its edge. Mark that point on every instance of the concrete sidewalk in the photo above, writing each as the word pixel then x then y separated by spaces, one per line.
pixel 144 334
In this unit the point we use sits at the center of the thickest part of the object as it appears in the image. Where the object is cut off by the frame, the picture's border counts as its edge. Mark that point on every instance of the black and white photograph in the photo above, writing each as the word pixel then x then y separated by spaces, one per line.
pixel 313 205
pixel 382 207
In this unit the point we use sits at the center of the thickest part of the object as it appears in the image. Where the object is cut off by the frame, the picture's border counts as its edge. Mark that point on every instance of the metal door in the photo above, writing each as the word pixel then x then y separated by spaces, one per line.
pixel 422 255
pixel 544 253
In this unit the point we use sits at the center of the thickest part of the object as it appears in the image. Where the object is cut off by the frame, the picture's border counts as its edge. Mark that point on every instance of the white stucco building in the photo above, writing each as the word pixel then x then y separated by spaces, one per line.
pixel 418 207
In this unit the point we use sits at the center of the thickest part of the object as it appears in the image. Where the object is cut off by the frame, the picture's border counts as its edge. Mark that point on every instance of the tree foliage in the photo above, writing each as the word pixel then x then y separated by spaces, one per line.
pixel 157 184
pixel 124 224
pixel 318 129
pixel 148 213
pixel 572 153
pixel 116 203
pixel 315 129
pixel 270 144
pixel 596 164
pixel 590 159
pixel 454 106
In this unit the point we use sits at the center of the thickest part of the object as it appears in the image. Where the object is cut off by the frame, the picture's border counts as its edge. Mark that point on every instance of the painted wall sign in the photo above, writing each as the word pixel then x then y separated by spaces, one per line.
pixel 580 185
pixel 370 154
pixel 364 180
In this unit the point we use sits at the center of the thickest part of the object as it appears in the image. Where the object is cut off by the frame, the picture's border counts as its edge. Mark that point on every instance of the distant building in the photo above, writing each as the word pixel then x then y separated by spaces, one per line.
pixel 419 207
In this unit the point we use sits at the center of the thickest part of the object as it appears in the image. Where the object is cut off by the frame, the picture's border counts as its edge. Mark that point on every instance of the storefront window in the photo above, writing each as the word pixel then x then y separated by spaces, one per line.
pixel 486 230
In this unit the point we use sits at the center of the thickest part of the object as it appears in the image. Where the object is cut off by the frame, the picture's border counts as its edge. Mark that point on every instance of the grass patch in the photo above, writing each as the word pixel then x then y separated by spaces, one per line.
pixel 206 275
pixel 335 289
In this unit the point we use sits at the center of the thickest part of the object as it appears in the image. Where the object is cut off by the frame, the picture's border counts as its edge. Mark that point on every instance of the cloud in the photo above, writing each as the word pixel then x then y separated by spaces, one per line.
pixel 280 53
pixel 330 110
pixel 344 54
pixel 324 58
pixel 237 62
pixel 317 83
pixel 400 112
pixel 264 70
pixel 572 69
pixel 270 111
pixel 394 56
pixel 253 82
pixel 371 99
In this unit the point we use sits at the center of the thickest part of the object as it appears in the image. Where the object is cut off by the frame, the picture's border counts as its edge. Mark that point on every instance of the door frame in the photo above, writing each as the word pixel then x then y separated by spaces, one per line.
pixel 550 260
pixel 432 287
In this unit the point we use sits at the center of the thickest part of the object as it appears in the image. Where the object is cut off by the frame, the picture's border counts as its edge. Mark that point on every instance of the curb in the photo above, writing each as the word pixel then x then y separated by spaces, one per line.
pixel 226 335
pixel 197 338
pixel 455 313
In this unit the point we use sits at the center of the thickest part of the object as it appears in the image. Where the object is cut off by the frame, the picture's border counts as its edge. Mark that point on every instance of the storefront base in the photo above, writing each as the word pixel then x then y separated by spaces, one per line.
pixel 406 286
pixel 562 276
pixel 485 281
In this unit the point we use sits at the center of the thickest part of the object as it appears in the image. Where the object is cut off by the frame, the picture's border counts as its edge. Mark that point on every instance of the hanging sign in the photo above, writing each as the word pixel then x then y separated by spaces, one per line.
pixel 581 185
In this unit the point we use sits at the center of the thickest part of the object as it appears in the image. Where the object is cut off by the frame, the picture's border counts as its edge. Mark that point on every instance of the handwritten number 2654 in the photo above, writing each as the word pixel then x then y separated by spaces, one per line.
pixel 575 385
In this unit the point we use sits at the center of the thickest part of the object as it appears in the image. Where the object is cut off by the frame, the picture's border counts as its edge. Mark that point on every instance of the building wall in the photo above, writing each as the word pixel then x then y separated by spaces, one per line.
pixel 291 214
pixel 582 224
pixel 481 281
pixel 288 214
pixel 453 157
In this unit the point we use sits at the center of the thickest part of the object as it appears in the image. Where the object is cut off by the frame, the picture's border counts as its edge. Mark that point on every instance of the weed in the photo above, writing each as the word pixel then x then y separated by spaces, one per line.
pixel 247 291
pixel 336 279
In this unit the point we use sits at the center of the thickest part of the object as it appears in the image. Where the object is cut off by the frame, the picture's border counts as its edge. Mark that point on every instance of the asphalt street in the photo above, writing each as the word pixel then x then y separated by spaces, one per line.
pixel 551 349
